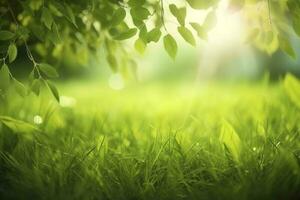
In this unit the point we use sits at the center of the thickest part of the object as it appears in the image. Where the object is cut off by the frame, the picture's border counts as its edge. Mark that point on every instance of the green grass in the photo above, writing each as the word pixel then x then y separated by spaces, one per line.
pixel 153 142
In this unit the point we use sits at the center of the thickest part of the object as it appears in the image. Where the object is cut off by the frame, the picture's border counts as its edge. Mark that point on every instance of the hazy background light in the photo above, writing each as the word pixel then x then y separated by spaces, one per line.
pixel 66 101
pixel 226 53
pixel 230 27
pixel 116 82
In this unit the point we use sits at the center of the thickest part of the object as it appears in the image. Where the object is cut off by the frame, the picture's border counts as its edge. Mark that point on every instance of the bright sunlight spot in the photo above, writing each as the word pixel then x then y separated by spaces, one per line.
pixel 229 30
pixel 66 101
pixel 37 119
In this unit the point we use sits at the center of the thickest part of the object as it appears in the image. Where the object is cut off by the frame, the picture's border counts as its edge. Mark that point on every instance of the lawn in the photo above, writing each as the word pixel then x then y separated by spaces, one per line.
pixel 161 141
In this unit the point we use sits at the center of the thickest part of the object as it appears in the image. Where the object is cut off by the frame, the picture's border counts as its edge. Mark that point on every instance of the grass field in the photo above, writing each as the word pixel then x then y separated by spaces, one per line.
pixel 164 141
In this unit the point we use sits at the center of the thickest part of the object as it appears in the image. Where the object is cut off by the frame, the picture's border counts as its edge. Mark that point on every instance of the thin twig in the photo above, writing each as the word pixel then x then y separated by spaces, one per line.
pixel 163 15
pixel 269 10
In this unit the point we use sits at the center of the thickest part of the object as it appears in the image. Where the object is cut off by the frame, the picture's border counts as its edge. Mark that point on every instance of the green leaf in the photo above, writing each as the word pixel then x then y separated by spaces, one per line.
pixel 126 35
pixel 36 86
pixel 139 13
pixel 138 23
pixel 143 34
pixel 27 8
pixel 285 45
pixel 70 15
pixel 34 74
pixel 53 36
pixel 252 35
pixel 53 90
pixel 231 140
pixel 170 46
pixel 47 18
pixel 19 126
pixel 201 4
pixel 136 3
pixel 292 88
pixel 39 32
pixel 154 35
pixel 112 61
pixel 179 13
pixel 118 16
pixel 66 11
pixel 48 70
pixel 210 21
pixel 187 35
pixel 12 52
pixel 58 6
pixel 140 46
pixel 269 36
pixel 200 30
pixel 22 32
pixel 4 77
pixel 6 35
pixel 296 24
pixel 20 88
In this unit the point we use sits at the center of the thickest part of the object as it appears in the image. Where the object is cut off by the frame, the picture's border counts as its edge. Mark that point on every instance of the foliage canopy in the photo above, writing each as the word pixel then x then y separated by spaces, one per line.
pixel 47 28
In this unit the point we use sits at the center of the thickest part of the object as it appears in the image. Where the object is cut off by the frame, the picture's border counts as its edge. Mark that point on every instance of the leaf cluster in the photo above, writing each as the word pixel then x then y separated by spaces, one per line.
pixel 48 28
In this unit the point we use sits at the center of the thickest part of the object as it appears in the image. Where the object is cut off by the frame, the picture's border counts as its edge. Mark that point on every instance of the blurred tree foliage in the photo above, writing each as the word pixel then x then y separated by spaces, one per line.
pixel 49 28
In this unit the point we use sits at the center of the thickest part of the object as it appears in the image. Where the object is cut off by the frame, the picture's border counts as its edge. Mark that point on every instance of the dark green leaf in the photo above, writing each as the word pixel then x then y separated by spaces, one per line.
pixel 34 74
pixel 20 88
pixel 53 36
pixel 12 52
pixel 53 90
pixel 48 70
pixel 118 16
pixel 154 35
pixel 39 32
pixel 23 32
pixel 285 45
pixel 127 34
pixel 47 18
pixel 6 35
pixel 36 86
pixel 70 15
